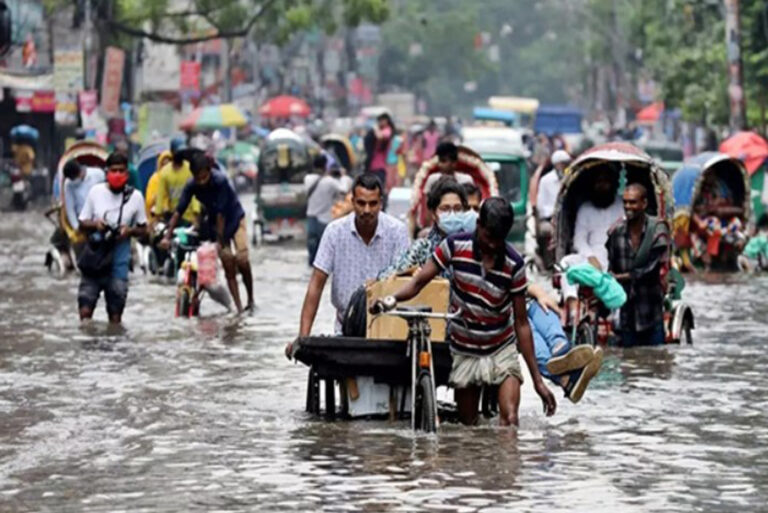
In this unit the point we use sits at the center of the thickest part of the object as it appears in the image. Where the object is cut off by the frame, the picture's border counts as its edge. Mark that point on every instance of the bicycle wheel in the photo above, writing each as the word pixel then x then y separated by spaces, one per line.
pixel 585 335
pixel 424 412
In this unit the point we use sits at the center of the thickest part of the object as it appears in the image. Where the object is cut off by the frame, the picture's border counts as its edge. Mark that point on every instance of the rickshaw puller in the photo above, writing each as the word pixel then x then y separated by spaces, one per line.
pixel 638 250
pixel 488 286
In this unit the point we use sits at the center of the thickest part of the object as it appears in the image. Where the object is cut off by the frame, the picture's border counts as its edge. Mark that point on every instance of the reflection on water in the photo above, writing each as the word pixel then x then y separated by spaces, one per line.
pixel 171 414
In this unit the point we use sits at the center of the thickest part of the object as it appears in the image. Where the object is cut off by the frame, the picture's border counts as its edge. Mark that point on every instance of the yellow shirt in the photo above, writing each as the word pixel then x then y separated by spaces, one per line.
pixel 171 183
pixel 151 197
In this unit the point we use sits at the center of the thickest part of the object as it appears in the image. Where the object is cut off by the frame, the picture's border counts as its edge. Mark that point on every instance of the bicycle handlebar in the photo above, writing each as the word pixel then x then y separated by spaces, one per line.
pixel 407 314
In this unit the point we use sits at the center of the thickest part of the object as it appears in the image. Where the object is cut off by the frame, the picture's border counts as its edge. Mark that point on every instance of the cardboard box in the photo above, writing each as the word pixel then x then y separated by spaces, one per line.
pixel 436 295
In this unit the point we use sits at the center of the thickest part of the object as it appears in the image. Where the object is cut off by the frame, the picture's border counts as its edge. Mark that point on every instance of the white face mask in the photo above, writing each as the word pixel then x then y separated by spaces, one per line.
pixel 457 222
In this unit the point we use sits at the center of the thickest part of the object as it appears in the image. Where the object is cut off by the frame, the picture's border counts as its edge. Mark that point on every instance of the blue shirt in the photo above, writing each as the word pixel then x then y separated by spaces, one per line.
pixel 218 197
pixel 76 191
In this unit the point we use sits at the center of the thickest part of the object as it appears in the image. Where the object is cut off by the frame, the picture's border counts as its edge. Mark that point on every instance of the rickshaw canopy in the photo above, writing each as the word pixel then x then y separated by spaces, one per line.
pixel 147 164
pixel 748 147
pixel 686 183
pixel 631 165
pixel 342 148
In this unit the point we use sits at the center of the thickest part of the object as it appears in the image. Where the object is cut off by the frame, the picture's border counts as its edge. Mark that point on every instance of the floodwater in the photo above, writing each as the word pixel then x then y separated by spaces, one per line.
pixel 207 415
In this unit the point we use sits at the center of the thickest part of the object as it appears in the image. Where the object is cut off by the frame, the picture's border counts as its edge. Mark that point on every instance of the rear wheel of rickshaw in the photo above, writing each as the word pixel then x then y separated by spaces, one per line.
pixel 424 411
pixel 685 332
pixel 585 334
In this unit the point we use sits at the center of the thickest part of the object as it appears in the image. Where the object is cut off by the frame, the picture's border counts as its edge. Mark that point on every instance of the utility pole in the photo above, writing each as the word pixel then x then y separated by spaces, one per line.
pixel 87 45
pixel 735 74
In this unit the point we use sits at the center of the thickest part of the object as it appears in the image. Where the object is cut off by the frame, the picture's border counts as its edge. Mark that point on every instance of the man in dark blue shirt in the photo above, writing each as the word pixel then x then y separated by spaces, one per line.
pixel 226 217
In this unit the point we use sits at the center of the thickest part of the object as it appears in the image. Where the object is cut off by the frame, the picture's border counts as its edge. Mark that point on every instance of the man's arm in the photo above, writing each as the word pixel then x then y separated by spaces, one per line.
pixel 312 301
pixel 411 289
pixel 525 344
pixel 69 200
pixel 220 229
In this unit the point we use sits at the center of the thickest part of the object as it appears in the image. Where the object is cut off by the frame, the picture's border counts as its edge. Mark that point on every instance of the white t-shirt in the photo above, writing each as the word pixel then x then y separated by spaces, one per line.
pixel 591 231
pixel 546 198
pixel 104 204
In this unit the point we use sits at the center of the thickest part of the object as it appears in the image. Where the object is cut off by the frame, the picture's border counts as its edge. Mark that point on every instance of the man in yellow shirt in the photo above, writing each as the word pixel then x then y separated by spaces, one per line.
pixel 152 186
pixel 173 177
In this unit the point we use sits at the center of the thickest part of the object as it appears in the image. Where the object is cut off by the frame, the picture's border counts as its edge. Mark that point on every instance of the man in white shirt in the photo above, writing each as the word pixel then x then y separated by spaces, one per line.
pixel 593 220
pixel 323 188
pixel 546 199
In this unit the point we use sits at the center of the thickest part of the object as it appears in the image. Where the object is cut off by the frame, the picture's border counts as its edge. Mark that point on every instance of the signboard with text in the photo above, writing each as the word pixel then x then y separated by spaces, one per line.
pixel 190 76
pixel 112 81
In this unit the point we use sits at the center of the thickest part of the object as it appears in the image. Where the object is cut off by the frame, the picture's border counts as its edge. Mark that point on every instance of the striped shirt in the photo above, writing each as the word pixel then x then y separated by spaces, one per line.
pixel 484 297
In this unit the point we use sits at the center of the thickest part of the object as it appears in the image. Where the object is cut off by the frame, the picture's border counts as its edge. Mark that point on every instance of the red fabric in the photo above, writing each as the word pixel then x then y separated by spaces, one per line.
pixel 651 113
pixel 748 147
pixel 285 107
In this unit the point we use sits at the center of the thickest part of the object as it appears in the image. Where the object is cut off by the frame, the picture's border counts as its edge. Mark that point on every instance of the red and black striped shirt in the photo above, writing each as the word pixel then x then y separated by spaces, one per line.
pixel 484 297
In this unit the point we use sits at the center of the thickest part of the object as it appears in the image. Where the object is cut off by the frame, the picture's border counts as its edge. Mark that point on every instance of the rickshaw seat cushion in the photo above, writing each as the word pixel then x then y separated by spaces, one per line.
pixel 605 287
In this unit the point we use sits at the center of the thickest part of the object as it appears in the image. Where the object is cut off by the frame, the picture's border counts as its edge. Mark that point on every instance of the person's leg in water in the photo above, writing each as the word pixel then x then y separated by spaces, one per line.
pixel 230 271
pixel 509 402
pixel 467 403
pixel 240 241
pixel 87 296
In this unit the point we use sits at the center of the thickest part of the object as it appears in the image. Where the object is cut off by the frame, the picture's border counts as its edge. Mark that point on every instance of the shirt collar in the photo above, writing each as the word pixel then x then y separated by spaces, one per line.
pixel 353 227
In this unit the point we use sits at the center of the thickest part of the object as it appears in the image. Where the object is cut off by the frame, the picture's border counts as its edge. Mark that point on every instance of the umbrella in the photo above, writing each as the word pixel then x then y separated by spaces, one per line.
pixel 748 147
pixel 285 107
pixel 212 117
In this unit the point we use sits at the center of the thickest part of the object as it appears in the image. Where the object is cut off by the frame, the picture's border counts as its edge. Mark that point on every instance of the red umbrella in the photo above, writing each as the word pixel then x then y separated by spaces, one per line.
pixel 748 147
pixel 285 107
pixel 651 113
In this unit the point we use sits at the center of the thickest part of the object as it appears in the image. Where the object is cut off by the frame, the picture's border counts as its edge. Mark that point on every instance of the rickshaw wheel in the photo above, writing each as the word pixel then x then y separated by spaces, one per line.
pixel 424 412
pixel 685 332
pixel 585 334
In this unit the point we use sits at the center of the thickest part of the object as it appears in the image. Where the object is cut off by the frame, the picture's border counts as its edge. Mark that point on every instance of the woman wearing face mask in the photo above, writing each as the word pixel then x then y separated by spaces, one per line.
pixel 447 204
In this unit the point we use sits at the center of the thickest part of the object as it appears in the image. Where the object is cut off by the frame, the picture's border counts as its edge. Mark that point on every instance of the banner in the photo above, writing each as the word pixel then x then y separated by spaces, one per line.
pixel 35 101
pixel 67 70
pixel 112 81
pixel 190 76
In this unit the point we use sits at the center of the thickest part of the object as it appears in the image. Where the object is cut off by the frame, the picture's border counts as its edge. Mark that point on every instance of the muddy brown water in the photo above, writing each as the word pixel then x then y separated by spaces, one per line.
pixel 207 415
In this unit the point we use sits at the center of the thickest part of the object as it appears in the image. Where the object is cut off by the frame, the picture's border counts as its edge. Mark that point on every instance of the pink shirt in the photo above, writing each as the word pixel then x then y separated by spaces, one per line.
pixel 430 144
pixel 379 160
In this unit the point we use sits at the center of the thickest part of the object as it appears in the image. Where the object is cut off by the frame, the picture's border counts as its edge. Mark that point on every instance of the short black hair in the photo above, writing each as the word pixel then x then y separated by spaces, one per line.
pixel 368 181
pixel 497 217
pixel 640 188
pixel 448 150
pixel 71 169
pixel 198 161
pixel 445 185
pixel 117 158
pixel 762 223
pixel 470 189
pixel 320 161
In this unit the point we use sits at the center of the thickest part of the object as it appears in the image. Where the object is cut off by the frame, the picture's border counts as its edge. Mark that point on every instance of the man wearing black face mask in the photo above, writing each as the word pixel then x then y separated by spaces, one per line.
pixel 593 220
pixel 112 214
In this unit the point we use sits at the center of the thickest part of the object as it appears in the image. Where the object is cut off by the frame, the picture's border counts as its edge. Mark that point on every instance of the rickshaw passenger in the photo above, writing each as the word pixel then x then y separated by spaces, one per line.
pixel 715 218
pixel 152 186
pixel 78 181
pixel 638 249
pixel 474 196
pixel 570 368
pixel 173 178
pixel 447 157
pixel 593 220
pixel 546 200
pixel 488 286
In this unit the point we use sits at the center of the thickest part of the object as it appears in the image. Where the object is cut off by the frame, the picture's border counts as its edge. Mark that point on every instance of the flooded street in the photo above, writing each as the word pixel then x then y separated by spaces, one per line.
pixel 204 415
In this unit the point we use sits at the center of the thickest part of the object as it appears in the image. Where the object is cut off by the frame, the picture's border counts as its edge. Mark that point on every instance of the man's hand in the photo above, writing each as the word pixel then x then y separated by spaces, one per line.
pixel 164 244
pixel 547 397
pixel 383 304
pixel 124 232
pixel 101 226
pixel 289 349
pixel 546 302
